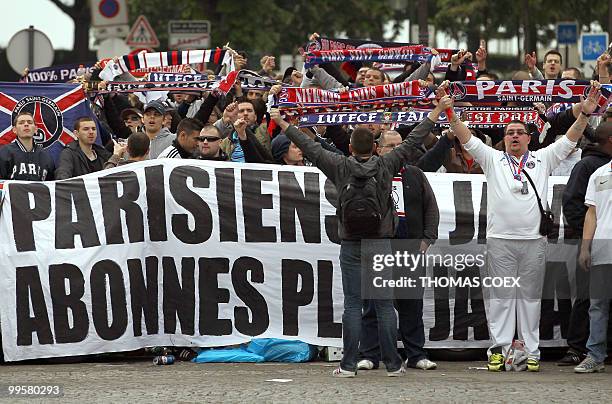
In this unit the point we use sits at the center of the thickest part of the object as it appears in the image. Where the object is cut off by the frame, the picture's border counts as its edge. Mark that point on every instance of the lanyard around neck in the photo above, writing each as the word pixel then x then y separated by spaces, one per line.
pixel 516 168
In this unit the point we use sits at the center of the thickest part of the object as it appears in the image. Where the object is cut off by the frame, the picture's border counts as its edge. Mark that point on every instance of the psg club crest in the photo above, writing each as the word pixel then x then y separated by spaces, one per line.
pixel 47 117
pixel 457 91
pixel 54 107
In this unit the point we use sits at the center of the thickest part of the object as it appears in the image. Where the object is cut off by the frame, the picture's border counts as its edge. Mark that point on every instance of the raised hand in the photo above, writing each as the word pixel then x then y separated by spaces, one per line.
pixel 240 125
pixel 531 61
pixel 589 105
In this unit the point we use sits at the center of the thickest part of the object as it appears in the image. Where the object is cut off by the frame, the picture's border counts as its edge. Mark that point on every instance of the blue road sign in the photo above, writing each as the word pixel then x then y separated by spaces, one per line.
pixel 567 33
pixel 592 45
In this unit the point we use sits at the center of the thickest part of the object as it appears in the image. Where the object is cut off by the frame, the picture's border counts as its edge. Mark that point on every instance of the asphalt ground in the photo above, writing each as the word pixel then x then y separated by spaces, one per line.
pixel 136 379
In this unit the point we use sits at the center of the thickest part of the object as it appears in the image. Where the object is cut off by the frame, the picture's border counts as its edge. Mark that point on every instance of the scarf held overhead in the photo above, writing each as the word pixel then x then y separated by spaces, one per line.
pixel 296 96
pixel 326 44
pixel 414 53
pixel 190 82
pixel 525 92
pixel 474 117
pixel 160 59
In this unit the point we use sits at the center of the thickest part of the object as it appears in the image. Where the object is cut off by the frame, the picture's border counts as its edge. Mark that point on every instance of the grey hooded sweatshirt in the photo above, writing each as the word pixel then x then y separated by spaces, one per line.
pixel 160 142
pixel 338 169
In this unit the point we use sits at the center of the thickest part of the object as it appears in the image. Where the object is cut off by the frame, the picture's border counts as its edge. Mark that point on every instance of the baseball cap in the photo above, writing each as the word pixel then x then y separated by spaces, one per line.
pixel 156 105
pixel 130 111
pixel 287 74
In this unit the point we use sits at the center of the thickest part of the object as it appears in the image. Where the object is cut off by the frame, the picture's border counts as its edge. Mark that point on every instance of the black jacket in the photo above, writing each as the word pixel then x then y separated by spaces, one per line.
pixel 16 163
pixel 73 162
pixel 574 209
pixel 422 216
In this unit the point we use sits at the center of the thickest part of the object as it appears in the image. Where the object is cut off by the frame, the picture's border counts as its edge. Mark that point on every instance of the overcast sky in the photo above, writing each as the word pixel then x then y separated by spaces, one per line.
pixel 43 15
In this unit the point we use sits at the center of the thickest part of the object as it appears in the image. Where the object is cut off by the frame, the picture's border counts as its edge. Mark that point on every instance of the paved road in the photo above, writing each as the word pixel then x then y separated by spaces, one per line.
pixel 139 380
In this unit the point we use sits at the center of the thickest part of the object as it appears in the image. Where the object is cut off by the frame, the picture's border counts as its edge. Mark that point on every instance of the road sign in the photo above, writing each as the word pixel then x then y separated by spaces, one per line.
pixel 592 46
pixel 187 34
pixel 108 12
pixel 112 47
pixel 111 31
pixel 29 48
pixel 567 33
pixel 142 35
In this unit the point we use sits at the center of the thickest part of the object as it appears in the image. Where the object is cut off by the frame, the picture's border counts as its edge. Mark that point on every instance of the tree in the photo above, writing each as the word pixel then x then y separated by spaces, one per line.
pixel 269 26
pixel 533 20
pixel 81 15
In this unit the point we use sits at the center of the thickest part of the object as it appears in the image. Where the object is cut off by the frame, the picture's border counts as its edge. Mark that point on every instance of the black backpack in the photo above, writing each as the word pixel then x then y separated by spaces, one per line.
pixel 360 207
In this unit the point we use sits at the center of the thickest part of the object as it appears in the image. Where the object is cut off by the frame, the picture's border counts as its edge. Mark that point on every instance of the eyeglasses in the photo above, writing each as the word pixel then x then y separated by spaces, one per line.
pixel 517 132
pixel 133 118
pixel 209 139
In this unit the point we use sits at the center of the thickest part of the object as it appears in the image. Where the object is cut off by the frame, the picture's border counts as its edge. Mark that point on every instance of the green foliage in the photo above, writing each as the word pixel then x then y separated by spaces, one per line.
pixel 503 18
pixel 268 26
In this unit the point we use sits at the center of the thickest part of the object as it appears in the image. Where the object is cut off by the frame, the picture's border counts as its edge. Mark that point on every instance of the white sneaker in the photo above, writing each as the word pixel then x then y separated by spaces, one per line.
pixel 339 372
pixel 425 364
pixel 365 364
pixel 399 372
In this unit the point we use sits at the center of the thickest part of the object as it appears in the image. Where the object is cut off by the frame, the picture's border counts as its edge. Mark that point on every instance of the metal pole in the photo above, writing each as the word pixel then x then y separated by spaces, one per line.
pixel 31 47
pixel 610 17
pixel 422 17
pixel 566 56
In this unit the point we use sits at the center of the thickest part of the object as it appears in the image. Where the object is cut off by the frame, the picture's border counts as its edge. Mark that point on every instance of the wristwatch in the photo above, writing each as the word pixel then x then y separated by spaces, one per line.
pixel 587 115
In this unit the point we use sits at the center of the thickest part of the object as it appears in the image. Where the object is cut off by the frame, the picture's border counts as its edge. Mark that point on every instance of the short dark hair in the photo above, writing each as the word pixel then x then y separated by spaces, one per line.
pixel 77 123
pixel 20 114
pixel 553 52
pixel 189 125
pixel 382 74
pixel 138 144
pixel 362 141
pixel 516 121
pixel 603 132
pixel 576 71
pixel 245 100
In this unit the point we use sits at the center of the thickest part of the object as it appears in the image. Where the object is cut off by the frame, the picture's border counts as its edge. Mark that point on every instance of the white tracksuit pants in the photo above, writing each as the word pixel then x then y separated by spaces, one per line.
pixel 516 308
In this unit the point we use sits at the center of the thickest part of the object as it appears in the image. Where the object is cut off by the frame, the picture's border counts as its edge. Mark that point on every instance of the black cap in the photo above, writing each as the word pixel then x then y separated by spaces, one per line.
pixel 130 111
pixel 287 74
pixel 156 105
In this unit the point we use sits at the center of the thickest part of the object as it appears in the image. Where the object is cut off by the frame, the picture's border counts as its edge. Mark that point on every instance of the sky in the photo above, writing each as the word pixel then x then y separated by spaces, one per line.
pixel 43 15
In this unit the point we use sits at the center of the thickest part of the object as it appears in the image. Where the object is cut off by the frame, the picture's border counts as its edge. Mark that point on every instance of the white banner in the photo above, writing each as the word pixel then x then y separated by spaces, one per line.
pixel 169 252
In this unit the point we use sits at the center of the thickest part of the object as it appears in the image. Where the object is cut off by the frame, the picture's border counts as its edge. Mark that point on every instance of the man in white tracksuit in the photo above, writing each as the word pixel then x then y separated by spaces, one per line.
pixel 515 247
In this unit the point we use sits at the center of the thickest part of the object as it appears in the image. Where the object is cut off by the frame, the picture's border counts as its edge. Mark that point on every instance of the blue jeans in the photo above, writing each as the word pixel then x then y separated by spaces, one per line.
pixel 411 329
pixel 350 265
pixel 601 280
pixel 598 315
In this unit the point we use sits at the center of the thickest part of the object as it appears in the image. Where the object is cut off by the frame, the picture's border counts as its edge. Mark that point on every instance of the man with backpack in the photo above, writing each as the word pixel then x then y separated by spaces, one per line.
pixel 365 211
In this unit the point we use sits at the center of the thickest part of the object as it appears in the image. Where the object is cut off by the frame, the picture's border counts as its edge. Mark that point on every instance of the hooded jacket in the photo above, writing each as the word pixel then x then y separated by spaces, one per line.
pixel 73 161
pixel 338 169
pixel 574 208
pixel 160 142
pixel 17 163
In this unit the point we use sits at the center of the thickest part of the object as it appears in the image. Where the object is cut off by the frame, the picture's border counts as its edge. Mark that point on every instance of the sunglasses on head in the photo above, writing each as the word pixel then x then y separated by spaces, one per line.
pixel 207 138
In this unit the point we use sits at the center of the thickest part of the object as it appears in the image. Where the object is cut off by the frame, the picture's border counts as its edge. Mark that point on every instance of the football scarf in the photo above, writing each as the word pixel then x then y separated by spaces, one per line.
pixel 161 59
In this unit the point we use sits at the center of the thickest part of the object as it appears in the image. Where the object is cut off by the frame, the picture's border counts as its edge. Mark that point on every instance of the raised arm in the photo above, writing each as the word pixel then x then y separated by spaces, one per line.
pixel 446 103
pixel 588 106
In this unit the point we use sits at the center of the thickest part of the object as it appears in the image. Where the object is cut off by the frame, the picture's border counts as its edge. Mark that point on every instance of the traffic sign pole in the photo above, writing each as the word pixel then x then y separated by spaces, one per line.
pixel 30 47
